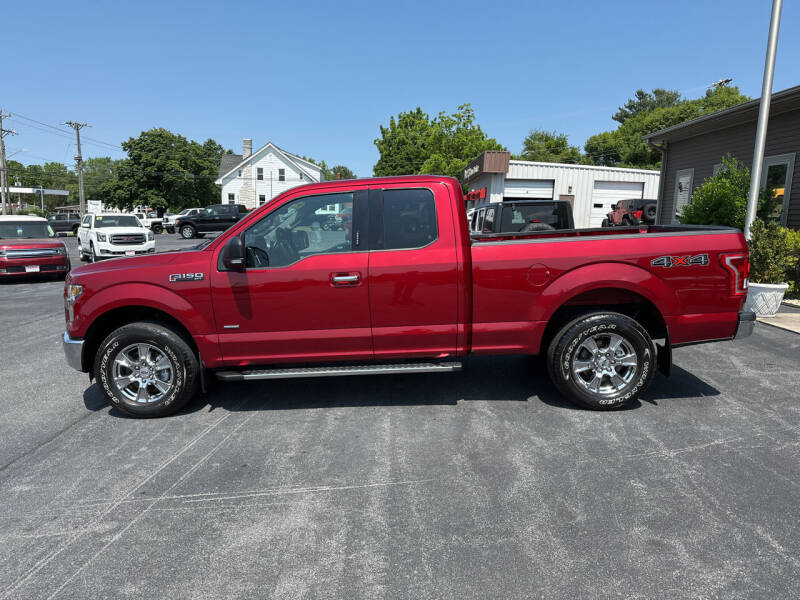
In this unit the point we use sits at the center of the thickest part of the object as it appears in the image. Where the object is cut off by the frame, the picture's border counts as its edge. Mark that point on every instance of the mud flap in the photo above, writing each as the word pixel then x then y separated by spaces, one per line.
pixel 664 357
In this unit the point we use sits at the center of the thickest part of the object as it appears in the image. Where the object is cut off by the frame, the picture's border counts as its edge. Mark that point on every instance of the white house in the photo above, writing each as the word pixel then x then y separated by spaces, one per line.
pixel 253 178
pixel 590 189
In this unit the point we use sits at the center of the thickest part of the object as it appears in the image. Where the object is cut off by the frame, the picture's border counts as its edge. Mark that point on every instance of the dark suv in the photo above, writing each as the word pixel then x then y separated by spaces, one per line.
pixel 64 223
pixel 627 213
pixel 520 215
pixel 217 217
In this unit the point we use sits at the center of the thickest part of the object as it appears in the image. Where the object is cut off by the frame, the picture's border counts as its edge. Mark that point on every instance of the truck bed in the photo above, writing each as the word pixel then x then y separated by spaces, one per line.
pixel 604 232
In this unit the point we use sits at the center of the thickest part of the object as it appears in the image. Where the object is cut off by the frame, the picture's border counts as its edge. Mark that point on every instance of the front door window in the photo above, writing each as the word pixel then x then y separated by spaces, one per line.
pixel 301 228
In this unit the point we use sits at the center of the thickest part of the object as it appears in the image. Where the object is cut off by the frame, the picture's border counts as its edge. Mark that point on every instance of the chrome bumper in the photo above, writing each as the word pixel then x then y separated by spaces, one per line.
pixel 73 350
pixel 747 322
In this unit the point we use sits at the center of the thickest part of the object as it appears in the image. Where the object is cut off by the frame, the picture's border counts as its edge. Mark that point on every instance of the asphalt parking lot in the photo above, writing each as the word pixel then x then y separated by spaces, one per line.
pixel 480 484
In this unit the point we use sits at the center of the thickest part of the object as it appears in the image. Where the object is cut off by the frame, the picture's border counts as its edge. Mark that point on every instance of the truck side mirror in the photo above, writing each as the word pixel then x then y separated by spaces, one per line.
pixel 233 255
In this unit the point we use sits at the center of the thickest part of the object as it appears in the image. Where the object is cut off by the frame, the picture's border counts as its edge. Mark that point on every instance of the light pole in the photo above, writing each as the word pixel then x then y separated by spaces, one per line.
pixel 763 116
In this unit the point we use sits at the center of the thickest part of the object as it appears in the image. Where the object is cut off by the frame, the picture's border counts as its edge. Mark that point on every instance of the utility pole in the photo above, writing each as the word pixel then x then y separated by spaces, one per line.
pixel 79 162
pixel 4 196
pixel 763 116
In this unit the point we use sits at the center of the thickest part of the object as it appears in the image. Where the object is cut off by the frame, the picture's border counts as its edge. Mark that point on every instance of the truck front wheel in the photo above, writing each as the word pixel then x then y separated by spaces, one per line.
pixel 188 232
pixel 601 360
pixel 146 370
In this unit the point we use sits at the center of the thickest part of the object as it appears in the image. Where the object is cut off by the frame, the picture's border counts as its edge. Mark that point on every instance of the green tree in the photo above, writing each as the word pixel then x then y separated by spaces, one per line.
pixel 340 172
pixel 722 198
pixel 645 102
pixel 624 147
pixel 414 143
pixel 164 170
pixel 96 173
pixel 549 146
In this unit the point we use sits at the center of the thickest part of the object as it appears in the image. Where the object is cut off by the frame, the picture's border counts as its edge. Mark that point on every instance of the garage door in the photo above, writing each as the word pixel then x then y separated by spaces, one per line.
pixel 528 188
pixel 606 193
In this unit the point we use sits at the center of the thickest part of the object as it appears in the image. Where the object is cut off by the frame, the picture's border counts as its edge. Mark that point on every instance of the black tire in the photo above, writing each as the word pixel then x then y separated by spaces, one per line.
pixel 81 254
pixel 187 232
pixel 605 223
pixel 75 230
pixel 158 229
pixel 92 255
pixel 567 352
pixel 650 213
pixel 626 221
pixel 184 369
pixel 170 230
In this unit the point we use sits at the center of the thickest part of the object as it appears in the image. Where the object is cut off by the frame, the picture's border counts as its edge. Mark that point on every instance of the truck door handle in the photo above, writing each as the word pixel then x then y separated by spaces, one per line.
pixel 344 280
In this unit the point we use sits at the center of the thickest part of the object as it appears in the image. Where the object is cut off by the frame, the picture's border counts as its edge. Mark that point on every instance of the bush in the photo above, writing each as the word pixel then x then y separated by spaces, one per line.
pixel 722 198
pixel 773 252
pixel 33 212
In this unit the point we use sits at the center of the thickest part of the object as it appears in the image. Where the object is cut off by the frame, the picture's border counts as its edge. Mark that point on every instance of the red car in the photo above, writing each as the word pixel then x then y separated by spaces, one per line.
pixel 409 291
pixel 627 213
pixel 28 246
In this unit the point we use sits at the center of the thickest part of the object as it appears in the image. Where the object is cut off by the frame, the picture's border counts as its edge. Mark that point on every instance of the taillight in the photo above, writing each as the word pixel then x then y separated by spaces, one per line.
pixel 739 267
pixel 638 214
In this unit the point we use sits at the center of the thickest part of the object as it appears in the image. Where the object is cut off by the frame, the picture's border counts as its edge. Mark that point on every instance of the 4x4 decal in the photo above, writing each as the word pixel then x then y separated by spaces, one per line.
pixel 680 261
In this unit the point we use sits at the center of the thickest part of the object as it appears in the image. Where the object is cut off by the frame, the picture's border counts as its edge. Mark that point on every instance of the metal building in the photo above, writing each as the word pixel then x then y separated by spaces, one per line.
pixel 591 190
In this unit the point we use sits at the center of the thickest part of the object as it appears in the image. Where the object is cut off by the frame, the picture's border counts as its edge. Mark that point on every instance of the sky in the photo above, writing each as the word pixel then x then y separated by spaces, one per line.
pixel 319 78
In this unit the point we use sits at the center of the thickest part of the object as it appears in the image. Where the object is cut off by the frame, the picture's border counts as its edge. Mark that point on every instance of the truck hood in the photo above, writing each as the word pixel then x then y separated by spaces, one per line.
pixel 25 244
pixel 145 261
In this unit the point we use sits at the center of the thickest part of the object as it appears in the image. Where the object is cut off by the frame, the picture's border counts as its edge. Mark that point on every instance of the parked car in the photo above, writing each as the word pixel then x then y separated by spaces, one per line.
pixel 150 220
pixel 217 217
pixel 627 213
pixel 169 220
pixel 28 246
pixel 64 223
pixel 518 215
pixel 111 235
pixel 409 292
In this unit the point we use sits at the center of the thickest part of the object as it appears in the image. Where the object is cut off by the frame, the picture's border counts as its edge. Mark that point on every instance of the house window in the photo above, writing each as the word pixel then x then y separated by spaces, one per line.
pixel 261 199
pixel 281 174
pixel 716 169
pixel 777 175
pixel 683 191
pixel 260 174
pixel 231 198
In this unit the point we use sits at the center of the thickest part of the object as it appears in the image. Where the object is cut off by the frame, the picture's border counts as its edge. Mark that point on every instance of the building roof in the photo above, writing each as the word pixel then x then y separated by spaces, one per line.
pixel 228 162
pixel 783 101
pixel 229 165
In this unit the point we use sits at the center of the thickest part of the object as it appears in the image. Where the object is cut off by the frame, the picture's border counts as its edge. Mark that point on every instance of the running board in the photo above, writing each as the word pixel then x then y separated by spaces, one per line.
pixel 388 369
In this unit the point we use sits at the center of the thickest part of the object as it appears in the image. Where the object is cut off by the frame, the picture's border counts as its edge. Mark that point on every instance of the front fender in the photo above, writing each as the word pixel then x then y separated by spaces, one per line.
pixel 605 275
pixel 191 307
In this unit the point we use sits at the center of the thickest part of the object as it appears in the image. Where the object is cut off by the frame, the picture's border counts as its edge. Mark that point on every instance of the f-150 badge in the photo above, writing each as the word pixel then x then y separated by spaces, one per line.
pixel 680 261
pixel 186 277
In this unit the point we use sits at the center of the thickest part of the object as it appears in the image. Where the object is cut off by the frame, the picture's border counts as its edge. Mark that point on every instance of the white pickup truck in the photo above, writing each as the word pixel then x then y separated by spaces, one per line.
pixel 151 221
pixel 112 235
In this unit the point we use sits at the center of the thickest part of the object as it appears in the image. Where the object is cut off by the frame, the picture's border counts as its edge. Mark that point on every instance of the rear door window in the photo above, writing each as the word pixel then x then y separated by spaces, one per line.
pixel 488 221
pixel 409 218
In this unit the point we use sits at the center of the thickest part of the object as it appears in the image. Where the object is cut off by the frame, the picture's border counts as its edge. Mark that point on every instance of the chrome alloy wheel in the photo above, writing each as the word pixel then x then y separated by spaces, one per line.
pixel 143 373
pixel 604 363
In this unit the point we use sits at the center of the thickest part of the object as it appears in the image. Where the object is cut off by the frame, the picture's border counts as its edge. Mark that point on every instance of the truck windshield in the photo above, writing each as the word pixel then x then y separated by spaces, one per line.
pixel 25 230
pixel 116 221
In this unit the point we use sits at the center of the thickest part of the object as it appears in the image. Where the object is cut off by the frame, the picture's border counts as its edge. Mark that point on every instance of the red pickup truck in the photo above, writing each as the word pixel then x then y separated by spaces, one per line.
pixel 403 288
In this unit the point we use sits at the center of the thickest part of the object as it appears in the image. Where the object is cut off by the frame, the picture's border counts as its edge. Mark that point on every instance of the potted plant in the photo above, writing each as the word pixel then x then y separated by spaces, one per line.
pixel 772 256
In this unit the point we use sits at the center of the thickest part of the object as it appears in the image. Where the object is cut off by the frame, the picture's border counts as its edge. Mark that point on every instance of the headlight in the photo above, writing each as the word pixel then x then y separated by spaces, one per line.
pixel 101 237
pixel 150 236
pixel 73 292
pixel 61 250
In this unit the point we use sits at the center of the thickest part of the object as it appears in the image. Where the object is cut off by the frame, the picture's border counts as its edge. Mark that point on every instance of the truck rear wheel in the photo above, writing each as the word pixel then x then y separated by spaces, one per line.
pixel 146 370
pixel 601 360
